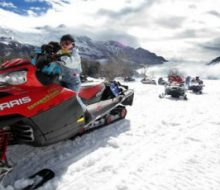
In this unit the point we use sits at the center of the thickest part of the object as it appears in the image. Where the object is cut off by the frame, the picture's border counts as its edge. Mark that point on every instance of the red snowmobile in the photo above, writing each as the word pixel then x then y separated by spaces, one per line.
pixel 175 87
pixel 36 109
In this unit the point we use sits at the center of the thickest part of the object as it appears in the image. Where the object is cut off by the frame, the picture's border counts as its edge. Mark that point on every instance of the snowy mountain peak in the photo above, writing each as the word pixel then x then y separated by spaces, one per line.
pixel 88 48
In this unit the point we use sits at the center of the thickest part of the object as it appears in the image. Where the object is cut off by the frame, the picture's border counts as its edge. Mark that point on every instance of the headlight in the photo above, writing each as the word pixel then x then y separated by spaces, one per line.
pixel 14 78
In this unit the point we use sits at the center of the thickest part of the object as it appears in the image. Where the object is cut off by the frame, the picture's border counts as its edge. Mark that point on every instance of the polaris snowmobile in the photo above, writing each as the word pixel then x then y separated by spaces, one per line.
pixel 175 90
pixel 37 110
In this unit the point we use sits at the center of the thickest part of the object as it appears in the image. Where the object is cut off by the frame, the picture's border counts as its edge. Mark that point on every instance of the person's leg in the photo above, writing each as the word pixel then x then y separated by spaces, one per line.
pixel 81 103
pixel 75 85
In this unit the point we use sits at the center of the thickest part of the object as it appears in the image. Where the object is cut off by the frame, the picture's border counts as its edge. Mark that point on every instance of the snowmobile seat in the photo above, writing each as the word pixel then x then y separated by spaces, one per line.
pixel 90 91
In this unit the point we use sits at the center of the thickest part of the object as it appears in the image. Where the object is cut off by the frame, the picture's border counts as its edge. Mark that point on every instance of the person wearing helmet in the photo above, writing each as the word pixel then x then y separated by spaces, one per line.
pixel 198 80
pixel 175 78
pixel 71 63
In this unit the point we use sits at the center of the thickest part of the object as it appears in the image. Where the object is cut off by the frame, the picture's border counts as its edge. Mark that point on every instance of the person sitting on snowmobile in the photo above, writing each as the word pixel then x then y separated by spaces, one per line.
pixel 71 69
pixel 61 59
pixel 197 80
pixel 42 59
pixel 67 55
pixel 71 63
pixel 45 55
pixel 175 79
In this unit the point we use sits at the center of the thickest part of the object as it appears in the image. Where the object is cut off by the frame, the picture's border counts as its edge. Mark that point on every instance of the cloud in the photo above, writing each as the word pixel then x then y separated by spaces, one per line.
pixel 215 13
pixel 85 30
pixel 61 3
pixel 121 37
pixel 195 34
pixel 129 9
pixel 189 33
pixel 49 1
pixel 66 1
pixel 25 7
pixel 7 4
pixel 39 9
pixel 171 22
pixel 33 1
pixel 192 6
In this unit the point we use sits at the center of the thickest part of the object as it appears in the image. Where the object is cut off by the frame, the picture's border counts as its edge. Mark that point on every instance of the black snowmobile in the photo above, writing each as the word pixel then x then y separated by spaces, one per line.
pixel 175 90
pixel 196 85
pixel 161 81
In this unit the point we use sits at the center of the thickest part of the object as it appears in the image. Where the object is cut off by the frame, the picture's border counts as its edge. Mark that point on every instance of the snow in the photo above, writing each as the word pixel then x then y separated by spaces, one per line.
pixel 163 144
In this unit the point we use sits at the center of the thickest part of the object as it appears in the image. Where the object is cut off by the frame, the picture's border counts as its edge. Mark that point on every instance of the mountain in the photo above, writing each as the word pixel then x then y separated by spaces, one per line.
pixel 12 48
pixel 214 61
pixel 107 49
pixel 17 43
pixel 89 49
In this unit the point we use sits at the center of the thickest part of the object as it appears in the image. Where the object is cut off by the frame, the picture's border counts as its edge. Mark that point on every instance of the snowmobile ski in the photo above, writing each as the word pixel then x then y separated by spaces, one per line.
pixel 5 168
pixel 40 178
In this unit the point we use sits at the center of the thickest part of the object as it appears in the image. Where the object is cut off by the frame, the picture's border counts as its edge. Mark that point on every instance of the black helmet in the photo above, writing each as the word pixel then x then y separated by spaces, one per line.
pixel 67 37
pixel 55 46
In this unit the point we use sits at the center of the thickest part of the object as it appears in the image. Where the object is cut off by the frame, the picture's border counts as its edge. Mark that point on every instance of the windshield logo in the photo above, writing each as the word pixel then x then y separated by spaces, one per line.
pixel 13 103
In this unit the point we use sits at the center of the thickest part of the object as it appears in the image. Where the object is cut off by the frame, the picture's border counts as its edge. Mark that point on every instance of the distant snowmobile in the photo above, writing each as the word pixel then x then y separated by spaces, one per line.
pixel 161 81
pixel 196 85
pixel 36 109
pixel 175 88
pixel 129 79
pixel 148 81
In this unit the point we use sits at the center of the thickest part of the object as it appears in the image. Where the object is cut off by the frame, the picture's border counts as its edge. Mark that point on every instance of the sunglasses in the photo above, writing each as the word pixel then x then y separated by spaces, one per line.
pixel 66 43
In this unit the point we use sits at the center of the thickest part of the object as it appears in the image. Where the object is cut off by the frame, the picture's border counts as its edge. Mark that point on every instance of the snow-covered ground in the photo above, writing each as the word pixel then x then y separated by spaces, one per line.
pixel 163 144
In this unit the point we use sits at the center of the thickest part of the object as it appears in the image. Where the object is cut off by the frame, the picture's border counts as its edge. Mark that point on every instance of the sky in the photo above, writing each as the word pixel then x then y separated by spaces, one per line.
pixel 174 29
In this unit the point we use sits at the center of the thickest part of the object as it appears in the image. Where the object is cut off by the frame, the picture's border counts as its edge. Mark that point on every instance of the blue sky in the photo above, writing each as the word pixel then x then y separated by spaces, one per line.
pixel 22 7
